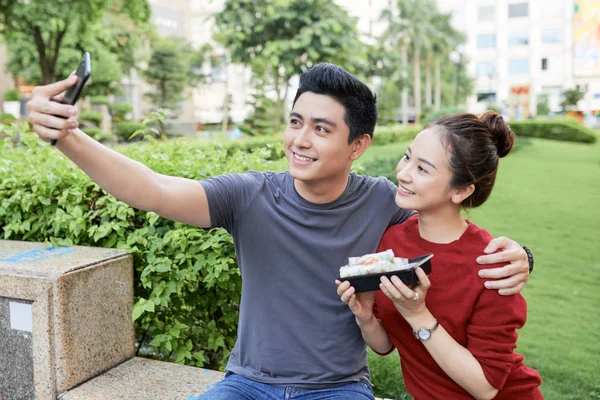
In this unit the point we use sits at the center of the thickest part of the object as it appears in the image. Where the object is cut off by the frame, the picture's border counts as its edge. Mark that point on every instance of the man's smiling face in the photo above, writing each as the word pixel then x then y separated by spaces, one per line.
pixel 316 139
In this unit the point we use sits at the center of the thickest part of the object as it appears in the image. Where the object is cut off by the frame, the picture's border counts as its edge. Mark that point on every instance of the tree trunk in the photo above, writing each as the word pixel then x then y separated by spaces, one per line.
pixel 428 82
pixel 226 100
pixel 285 93
pixel 48 53
pixel 404 69
pixel 438 85
pixel 417 82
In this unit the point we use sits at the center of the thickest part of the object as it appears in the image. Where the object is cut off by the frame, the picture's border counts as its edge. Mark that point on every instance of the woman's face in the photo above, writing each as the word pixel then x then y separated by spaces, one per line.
pixel 424 175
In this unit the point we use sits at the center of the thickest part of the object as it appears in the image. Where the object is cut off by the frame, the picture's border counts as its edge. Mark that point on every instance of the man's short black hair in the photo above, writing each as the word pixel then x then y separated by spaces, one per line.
pixel 359 102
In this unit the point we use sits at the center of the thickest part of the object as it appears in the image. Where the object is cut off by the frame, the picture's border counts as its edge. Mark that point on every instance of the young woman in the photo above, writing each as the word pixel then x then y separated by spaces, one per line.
pixel 456 339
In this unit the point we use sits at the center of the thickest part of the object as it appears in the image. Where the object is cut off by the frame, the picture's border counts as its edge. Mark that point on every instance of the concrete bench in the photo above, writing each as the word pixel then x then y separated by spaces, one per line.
pixel 145 379
pixel 66 330
pixel 65 316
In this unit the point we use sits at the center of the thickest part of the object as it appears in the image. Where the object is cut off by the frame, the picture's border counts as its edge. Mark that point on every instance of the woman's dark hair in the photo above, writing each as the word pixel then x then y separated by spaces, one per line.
pixel 360 105
pixel 475 145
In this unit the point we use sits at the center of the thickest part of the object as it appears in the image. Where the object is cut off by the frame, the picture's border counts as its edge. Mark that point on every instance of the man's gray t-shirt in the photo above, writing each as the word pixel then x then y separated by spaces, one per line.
pixel 293 329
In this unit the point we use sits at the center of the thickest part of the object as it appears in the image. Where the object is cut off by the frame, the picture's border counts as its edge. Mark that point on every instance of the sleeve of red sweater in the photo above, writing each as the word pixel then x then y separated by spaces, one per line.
pixel 491 333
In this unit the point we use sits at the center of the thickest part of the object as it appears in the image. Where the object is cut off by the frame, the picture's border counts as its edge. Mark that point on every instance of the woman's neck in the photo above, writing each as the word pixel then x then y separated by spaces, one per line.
pixel 442 226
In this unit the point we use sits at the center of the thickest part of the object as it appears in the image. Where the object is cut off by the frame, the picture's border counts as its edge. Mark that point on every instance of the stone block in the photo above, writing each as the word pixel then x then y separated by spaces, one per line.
pixel 65 316
pixel 145 379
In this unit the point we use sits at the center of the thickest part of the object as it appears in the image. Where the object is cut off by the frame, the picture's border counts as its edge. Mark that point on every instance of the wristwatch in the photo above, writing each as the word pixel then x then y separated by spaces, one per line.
pixel 529 258
pixel 424 334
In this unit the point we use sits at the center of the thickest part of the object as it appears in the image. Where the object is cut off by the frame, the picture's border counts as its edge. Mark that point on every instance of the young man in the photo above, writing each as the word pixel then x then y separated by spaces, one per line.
pixel 292 231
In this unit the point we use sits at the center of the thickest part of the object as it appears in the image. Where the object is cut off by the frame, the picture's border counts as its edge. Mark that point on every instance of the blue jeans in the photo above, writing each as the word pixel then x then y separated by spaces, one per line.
pixel 236 387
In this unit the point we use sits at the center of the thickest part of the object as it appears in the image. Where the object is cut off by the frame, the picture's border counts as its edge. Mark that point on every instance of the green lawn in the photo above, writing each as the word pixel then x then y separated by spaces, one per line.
pixel 547 196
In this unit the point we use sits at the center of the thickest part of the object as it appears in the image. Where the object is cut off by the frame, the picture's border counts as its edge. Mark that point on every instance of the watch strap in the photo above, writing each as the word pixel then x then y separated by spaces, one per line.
pixel 529 258
pixel 430 330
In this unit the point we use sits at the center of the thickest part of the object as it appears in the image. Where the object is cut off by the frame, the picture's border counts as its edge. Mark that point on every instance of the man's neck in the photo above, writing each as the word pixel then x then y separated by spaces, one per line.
pixel 442 226
pixel 322 192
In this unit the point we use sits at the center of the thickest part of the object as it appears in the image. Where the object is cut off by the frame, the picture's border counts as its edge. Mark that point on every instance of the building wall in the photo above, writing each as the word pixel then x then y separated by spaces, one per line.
pixel 5 79
pixel 514 72
pixel 209 98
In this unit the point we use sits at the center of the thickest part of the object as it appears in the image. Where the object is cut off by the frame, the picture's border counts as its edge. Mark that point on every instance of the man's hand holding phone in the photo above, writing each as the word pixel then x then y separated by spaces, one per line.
pixel 51 119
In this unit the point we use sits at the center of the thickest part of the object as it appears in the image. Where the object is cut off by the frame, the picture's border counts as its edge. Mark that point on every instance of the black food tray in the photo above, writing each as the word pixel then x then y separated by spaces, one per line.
pixel 369 282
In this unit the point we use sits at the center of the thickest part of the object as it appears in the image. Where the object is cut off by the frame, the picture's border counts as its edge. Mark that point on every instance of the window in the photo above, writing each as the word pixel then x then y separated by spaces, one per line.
pixel 488 97
pixel 552 36
pixel 486 13
pixel 487 41
pixel 518 39
pixel 486 69
pixel 544 64
pixel 518 10
pixel 518 67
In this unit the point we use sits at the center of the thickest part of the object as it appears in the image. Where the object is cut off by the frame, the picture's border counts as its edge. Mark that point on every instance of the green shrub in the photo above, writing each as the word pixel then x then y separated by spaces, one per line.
pixel 395 134
pixel 567 130
pixel 381 166
pixel 6 118
pixel 11 95
pixel 95 117
pixel 187 283
pixel 120 110
pixel 124 129
pixel 99 100
pixel 98 134
pixel 432 116
pixel 271 146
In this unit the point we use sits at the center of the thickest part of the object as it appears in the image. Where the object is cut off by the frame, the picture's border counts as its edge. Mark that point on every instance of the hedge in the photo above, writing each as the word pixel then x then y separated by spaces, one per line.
pixel 99 100
pixel 6 118
pixel 95 117
pixel 124 129
pixel 121 109
pixel 11 95
pixel 187 283
pixel 98 134
pixel 566 130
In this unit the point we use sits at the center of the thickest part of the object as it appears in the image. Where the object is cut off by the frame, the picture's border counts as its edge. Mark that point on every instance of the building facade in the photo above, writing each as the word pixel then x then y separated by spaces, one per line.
pixel 5 79
pixel 522 51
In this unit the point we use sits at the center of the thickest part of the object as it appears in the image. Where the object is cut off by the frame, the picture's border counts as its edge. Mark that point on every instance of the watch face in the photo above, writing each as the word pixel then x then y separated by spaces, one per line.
pixel 424 334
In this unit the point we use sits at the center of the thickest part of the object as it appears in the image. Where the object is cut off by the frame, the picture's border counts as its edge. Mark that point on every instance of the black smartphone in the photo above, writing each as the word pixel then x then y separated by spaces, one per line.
pixel 84 70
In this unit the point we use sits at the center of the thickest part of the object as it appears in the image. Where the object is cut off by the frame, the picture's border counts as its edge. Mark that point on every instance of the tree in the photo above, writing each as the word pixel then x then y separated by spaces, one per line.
pixel 174 65
pixel 281 38
pixel 167 73
pixel 445 39
pixel 36 32
pixel 418 28
pixel 396 39
pixel 571 98
pixel 543 106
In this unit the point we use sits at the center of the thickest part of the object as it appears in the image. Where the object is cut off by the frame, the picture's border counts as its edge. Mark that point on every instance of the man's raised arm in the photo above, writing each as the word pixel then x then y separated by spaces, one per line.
pixel 178 199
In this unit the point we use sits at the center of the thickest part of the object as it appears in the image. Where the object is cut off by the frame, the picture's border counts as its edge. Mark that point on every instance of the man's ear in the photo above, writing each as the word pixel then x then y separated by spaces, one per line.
pixel 461 194
pixel 360 145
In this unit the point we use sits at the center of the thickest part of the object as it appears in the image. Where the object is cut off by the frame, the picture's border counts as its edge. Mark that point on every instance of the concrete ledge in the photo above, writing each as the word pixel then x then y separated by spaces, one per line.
pixel 144 379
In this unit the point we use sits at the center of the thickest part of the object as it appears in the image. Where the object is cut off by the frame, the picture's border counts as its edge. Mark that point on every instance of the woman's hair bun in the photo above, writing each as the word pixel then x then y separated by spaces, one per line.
pixel 500 132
